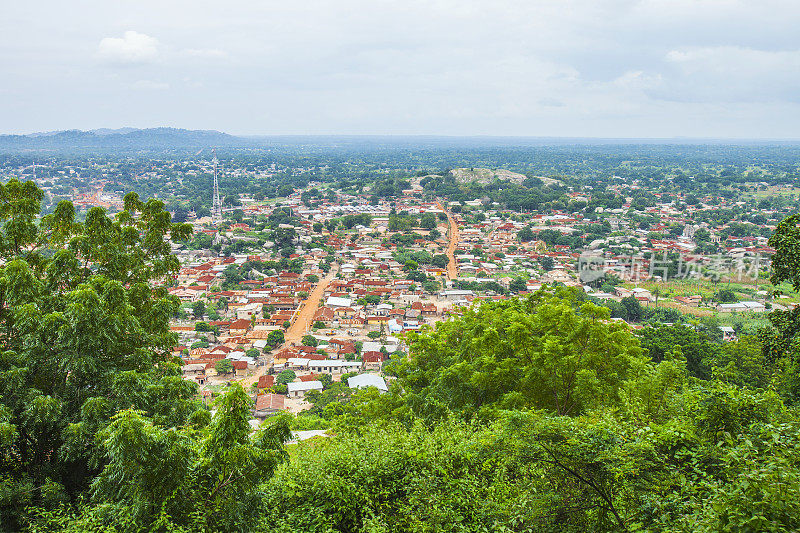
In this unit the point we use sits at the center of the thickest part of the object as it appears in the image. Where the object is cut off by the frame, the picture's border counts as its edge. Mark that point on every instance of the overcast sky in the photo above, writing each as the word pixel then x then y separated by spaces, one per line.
pixel 588 68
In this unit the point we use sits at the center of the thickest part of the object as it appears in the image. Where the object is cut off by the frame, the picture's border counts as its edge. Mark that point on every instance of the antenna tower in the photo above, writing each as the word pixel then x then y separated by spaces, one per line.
pixel 216 204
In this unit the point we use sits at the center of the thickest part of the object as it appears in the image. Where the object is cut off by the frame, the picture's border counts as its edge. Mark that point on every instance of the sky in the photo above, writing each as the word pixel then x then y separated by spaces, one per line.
pixel 560 68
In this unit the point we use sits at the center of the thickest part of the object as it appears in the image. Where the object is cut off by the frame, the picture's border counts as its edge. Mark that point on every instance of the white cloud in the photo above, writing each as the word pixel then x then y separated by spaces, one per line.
pixel 133 48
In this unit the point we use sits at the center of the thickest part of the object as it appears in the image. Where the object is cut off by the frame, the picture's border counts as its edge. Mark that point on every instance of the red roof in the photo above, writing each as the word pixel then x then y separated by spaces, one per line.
pixel 373 357
pixel 269 401
pixel 240 324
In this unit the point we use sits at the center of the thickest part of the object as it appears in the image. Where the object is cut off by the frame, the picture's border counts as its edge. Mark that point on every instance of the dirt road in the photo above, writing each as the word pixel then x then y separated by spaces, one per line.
pixel 299 327
pixel 306 314
pixel 452 268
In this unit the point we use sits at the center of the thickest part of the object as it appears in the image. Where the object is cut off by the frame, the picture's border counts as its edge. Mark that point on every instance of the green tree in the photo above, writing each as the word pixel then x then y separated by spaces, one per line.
pixel 440 261
pixel 526 234
pixel 286 376
pixel 284 237
pixel 223 366
pixel 431 286
pixel 517 285
pixel 199 477
pixel 275 338
pixel 632 308
pixel 199 309
pixel 326 380
pixel 725 296
pixel 309 340
pixel 548 351
pixel 742 363
pixel 681 342
pixel 427 221
pixel 82 335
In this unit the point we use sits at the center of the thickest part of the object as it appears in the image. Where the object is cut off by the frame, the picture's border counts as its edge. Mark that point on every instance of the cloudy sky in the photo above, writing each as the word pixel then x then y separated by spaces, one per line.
pixel 588 68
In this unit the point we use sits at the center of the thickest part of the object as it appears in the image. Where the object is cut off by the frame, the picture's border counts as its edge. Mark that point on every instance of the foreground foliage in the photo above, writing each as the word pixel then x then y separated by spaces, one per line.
pixel 703 470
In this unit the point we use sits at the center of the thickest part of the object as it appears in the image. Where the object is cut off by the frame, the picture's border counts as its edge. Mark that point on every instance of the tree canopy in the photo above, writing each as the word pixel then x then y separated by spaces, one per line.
pixel 547 351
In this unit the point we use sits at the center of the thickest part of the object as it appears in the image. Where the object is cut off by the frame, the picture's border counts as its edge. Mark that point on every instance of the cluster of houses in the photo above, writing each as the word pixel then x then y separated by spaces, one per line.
pixel 365 297
pixel 362 304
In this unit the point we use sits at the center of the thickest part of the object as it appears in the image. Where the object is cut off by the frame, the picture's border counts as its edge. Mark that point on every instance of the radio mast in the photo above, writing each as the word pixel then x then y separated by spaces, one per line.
pixel 216 203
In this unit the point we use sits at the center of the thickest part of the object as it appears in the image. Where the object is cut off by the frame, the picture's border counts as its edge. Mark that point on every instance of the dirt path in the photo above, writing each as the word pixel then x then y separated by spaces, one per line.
pixel 452 268
pixel 306 314
pixel 299 327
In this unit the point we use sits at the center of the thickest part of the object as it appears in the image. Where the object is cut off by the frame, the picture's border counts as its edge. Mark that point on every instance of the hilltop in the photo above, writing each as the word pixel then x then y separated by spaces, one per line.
pixel 485 176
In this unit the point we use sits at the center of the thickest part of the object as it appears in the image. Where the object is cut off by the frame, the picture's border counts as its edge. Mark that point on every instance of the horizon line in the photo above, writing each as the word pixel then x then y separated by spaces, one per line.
pixel 116 131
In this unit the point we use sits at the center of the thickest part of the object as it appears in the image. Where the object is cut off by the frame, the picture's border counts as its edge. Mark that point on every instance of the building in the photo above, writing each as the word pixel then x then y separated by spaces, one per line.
pixel 338 301
pixel 755 307
pixel 362 381
pixel 333 366
pixel 299 389
pixel 268 405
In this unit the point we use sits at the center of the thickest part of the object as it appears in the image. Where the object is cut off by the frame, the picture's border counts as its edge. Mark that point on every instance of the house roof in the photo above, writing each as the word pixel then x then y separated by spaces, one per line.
pixel 304 386
pixel 266 381
pixel 362 381
pixel 270 401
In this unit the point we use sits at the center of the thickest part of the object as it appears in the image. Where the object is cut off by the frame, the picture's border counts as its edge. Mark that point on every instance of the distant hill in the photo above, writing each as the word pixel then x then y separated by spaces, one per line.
pixel 127 139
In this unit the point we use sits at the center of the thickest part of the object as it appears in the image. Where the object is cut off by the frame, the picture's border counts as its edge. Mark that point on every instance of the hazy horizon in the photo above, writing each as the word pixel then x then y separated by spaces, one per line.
pixel 122 129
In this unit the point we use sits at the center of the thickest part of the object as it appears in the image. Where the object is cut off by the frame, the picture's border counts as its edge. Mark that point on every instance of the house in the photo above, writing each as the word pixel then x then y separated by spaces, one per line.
pixel 299 389
pixel 324 315
pixel 266 381
pixel 333 366
pixel 194 369
pixel 362 381
pixel 268 404
pixel 247 311
pixel 755 307
pixel 643 295
pixel 692 301
pixel 337 301
pixel 239 327
pixel 455 294
pixel 240 367
pixel 373 360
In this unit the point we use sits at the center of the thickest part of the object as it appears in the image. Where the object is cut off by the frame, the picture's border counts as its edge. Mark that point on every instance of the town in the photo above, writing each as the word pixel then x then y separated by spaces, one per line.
pixel 308 292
